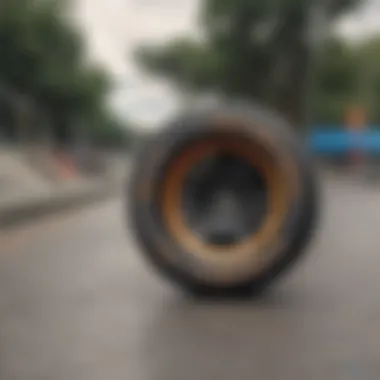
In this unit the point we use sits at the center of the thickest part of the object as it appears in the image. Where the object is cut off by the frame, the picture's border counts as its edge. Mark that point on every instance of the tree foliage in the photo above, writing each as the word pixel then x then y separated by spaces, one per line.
pixel 253 49
pixel 43 64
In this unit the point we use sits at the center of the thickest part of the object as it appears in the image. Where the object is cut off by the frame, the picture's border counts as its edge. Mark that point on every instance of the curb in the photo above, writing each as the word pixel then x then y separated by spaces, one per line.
pixel 17 213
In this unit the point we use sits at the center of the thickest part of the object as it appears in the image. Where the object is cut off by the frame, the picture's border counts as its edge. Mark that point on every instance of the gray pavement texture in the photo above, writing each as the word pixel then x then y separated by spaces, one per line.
pixel 77 302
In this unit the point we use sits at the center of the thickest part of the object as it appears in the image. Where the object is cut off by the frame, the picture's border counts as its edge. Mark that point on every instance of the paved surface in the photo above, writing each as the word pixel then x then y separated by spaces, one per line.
pixel 77 302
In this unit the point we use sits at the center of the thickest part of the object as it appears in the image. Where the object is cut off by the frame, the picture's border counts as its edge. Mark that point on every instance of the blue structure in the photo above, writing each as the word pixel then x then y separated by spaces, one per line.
pixel 333 142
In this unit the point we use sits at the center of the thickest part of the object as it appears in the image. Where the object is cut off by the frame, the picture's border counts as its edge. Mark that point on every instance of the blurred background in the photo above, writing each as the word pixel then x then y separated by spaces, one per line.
pixel 82 83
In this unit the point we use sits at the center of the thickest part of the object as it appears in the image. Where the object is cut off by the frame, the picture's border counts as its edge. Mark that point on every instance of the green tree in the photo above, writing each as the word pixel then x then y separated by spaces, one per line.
pixel 348 75
pixel 336 82
pixel 251 49
pixel 367 79
pixel 44 74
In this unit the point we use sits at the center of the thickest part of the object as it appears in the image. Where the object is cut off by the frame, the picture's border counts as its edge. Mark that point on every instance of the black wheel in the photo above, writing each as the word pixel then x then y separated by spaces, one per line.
pixel 223 200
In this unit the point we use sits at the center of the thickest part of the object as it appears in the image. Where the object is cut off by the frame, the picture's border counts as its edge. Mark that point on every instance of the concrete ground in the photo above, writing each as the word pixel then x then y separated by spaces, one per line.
pixel 78 303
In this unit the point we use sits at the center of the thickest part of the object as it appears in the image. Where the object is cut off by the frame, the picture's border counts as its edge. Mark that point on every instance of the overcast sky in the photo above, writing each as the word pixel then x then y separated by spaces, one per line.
pixel 114 28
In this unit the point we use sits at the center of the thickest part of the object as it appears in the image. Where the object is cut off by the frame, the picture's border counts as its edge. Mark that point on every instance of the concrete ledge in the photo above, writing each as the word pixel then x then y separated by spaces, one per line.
pixel 21 211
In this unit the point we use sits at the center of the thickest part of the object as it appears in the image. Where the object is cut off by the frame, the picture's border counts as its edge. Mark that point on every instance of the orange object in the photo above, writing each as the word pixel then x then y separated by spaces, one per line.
pixel 356 123
pixel 356 118
pixel 66 167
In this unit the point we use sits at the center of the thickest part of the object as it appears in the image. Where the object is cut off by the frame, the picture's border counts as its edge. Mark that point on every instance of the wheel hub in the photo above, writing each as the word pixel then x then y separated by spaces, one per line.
pixel 224 199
